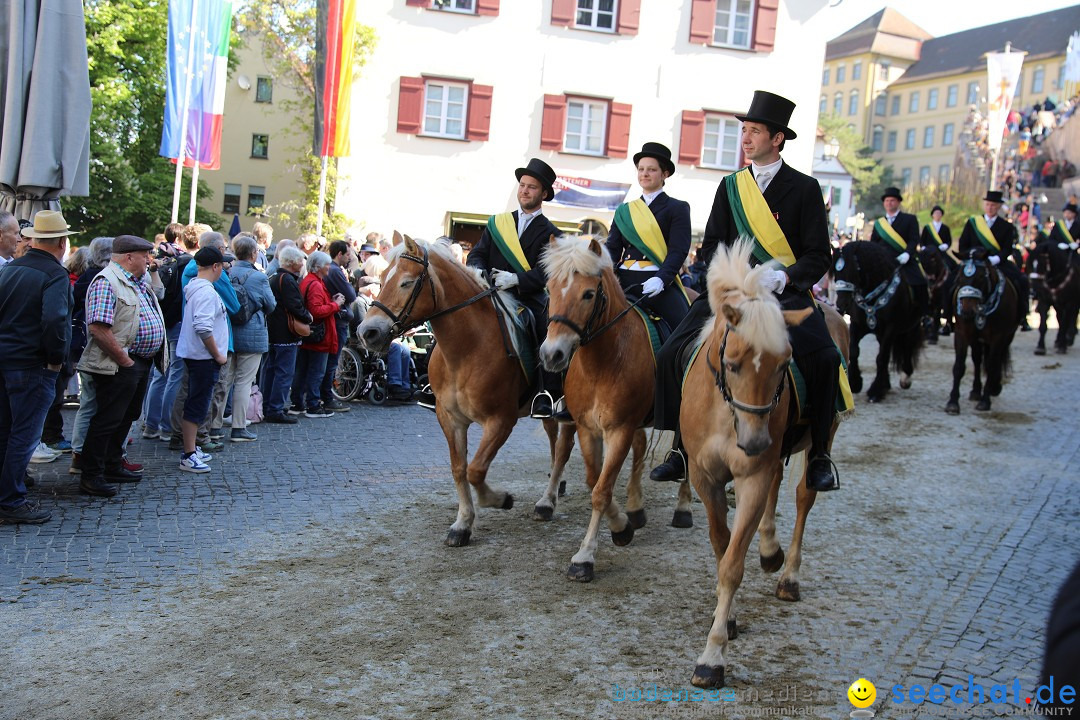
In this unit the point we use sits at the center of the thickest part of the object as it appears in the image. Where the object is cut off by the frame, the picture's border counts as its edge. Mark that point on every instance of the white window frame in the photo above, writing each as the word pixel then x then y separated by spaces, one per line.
pixel 909 139
pixel 823 104
pixel 593 117
pixel 932 99
pixel 467 7
pixel 952 95
pixel 913 102
pixel 948 135
pixel 929 133
pixel 881 105
pixel 944 174
pixel 891 140
pixel 595 13
pixel 444 107
pixel 877 138
pixel 905 177
pixel 856 70
pixel 1038 79
pixel 725 127
pixel 838 103
pixel 825 76
pixel 925 174
pixel 853 102
pixel 973 89
pixel 841 73
pixel 730 8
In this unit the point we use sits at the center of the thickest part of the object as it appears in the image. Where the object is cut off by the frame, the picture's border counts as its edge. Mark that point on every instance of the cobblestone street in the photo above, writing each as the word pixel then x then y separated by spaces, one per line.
pixel 305 577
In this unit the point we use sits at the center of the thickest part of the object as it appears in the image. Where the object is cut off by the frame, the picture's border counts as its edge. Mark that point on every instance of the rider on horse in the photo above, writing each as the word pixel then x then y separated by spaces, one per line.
pixel 1066 231
pixel 786 208
pixel 899 231
pixel 650 238
pixel 998 237
pixel 936 232
pixel 510 247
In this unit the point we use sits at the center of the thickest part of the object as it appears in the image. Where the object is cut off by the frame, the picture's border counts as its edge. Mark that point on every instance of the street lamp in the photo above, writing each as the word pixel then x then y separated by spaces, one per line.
pixel 832 149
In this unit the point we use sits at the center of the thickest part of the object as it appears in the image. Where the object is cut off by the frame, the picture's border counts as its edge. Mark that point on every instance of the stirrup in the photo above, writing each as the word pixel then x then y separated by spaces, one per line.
pixel 426 398
pixel 541 410
pixel 835 471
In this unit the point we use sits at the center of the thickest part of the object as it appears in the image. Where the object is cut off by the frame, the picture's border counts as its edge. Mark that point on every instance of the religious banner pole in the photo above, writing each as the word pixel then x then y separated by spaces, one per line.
pixel 1003 71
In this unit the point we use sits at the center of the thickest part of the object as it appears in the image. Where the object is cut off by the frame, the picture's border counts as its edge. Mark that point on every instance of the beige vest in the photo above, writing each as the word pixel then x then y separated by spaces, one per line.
pixel 125 325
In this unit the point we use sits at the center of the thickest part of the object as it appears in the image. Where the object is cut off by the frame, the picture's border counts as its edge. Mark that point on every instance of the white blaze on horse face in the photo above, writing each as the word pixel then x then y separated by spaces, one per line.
pixel 757 362
pixel 390 272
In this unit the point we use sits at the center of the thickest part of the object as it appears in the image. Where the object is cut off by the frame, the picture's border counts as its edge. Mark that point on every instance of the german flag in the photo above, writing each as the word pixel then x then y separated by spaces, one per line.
pixel 335 30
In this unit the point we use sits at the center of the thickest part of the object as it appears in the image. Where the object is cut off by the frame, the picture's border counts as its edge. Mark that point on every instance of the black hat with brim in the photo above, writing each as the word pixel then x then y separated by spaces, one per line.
pixel 936 208
pixel 993 196
pixel 540 170
pixel 892 192
pixel 660 152
pixel 1071 206
pixel 771 109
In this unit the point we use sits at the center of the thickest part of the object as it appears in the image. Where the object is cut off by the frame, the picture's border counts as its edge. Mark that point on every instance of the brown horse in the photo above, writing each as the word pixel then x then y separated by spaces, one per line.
pixel 595 332
pixel 736 396
pixel 475 376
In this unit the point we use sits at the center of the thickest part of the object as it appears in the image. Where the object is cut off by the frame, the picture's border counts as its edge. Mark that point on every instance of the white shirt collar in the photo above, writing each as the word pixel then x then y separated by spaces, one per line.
pixel 649 197
pixel 892 217
pixel 937 225
pixel 989 220
pixel 772 168
pixel 523 214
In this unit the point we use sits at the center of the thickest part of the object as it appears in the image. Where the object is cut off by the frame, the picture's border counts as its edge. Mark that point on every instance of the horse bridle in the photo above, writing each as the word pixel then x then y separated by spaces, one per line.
pixel 993 297
pixel 720 377
pixel 587 334
pixel 874 300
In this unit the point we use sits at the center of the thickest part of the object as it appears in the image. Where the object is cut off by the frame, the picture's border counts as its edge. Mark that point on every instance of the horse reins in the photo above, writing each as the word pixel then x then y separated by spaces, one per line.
pixel 874 300
pixel 993 300
pixel 587 334
pixel 720 377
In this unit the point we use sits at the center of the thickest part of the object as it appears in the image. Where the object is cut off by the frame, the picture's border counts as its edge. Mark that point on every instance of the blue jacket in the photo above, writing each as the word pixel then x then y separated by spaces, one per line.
pixel 224 291
pixel 251 337
pixel 336 282
pixel 35 312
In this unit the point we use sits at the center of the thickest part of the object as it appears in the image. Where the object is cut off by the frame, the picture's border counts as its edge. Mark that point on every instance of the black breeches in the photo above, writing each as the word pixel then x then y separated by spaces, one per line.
pixel 821 371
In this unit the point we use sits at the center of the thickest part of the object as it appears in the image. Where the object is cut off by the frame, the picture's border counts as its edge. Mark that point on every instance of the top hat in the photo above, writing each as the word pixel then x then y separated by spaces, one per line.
pixel 936 208
pixel 540 170
pixel 48 224
pixel 658 151
pixel 892 192
pixel 1071 206
pixel 771 109
pixel 993 196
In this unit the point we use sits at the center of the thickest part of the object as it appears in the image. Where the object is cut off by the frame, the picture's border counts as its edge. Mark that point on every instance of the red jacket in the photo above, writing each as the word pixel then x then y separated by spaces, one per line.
pixel 322 308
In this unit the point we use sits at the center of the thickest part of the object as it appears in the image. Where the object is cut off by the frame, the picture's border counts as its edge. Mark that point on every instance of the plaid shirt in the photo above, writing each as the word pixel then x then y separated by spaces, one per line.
pixel 101 308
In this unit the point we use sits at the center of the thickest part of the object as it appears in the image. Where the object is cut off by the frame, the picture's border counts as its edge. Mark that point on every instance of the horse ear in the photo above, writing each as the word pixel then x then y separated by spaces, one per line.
pixel 410 245
pixel 397 238
pixel 732 313
pixel 796 317
pixel 596 247
pixel 552 239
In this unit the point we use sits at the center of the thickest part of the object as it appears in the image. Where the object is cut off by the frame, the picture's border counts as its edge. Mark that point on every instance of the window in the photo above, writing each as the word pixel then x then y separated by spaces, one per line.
pixel 231 202
pixel 439 108
pixel 823 104
pixel 586 125
pixel 909 139
pixel 895 105
pixel 952 96
pixel 256 199
pixel 905 177
pixel 260 146
pixel 973 93
pixel 732 26
pixel 841 73
pixel 444 110
pixel 1038 77
pixel 596 15
pixel 838 103
pixel 856 70
pixel 924 175
pixel 944 174
pixel 264 89
pixel 721 146
pixel 462 6
pixel 853 102
pixel 1061 77
pixel 931 99
pixel 913 102
pixel 947 135
pixel 881 104
pixel 891 144
pixel 825 77
pixel 879 133
pixel 466 7
pixel 928 136
pixel 883 71
pixel 1019 84
pixel 836 195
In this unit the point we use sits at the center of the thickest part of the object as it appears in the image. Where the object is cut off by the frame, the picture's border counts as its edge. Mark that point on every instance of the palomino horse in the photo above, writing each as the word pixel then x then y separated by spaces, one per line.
pixel 1055 281
pixel 475 376
pixel 985 322
pixel 940 274
pixel 870 289
pixel 736 396
pixel 594 331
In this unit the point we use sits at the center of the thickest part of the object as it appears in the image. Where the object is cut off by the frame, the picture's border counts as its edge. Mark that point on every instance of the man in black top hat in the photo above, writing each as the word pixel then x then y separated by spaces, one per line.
pixel 795 200
pixel 1004 236
pixel 510 248
pixel 1067 230
pixel 899 232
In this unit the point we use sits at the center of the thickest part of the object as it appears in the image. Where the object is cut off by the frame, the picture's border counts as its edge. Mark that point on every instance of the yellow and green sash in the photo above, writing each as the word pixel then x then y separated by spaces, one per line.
pixel 888 233
pixel 638 225
pixel 1066 236
pixel 754 218
pixel 503 230
pixel 937 238
pixel 983 232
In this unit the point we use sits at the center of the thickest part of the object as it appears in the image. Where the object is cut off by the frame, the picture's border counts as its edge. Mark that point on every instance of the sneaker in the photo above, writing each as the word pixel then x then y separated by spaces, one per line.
pixel 165 435
pixel 295 411
pixel 61 447
pixel 242 435
pixel 217 433
pixel 28 513
pixel 192 464
pixel 319 412
pixel 227 420
pixel 131 466
pixel 149 434
pixel 76 464
pixel 211 445
pixel 44 454
pixel 336 405
pixel 281 419
pixel 204 456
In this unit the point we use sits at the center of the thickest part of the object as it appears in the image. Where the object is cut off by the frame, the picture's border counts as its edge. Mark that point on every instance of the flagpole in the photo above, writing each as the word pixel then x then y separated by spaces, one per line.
pixel 183 114
pixel 194 192
pixel 322 197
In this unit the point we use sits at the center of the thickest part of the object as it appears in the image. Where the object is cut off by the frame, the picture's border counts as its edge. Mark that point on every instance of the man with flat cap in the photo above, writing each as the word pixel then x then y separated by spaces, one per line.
pixel 791 233
pixel 510 247
pixel 899 232
pixel 998 237
pixel 126 336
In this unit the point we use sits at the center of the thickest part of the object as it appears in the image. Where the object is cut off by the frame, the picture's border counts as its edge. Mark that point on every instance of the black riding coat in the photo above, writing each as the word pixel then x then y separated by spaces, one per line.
pixel 486 255
pixel 673 217
pixel 927 237
pixel 1005 234
pixel 906 226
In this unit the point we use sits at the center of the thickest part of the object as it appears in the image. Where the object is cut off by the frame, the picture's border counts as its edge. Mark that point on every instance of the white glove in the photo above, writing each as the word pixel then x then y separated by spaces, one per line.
pixel 505 280
pixel 652 287
pixel 1063 246
pixel 1073 246
pixel 774 280
pixel 994 260
pixel 943 247
pixel 902 258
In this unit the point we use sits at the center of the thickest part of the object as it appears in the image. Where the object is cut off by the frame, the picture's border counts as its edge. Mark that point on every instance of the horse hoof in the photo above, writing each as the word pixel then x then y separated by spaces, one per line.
pixel 708 677
pixel 562 488
pixel 983 406
pixel 507 503
pixel 458 538
pixel 774 562
pixel 682 519
pixel 788 590
pixel 874 399
pixel 732 629
pixel 637 518
pixel 952 408
pixel 1040 351
pixel 975 395
pixel 543 512
pixel 905 382
pixel 623 537
pixel 1061 350
pixel 580 572
pixel 856 384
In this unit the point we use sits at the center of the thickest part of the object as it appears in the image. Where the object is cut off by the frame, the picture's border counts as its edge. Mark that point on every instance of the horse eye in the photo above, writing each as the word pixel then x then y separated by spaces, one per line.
pixel 407 283
pixel 733 368
pixel 589 295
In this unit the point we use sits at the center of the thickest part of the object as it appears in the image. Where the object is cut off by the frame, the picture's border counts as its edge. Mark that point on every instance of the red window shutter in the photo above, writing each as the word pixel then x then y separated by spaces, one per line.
pixel 692 136
pixel 487 7
pixel 765 25
pixel 479 121
pixel 410 105
pixel 702 21
pixel 418 3
pixel 629 17
pixel 553 122
pixel 562 12
pixel 618 130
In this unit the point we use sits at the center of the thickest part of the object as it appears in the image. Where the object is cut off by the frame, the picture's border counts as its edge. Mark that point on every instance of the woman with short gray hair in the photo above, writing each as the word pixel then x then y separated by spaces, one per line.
pixel 281 357
pixel 316 348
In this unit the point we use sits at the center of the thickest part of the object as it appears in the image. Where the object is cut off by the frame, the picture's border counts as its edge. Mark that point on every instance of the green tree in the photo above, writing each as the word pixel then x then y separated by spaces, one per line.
pixel 857 158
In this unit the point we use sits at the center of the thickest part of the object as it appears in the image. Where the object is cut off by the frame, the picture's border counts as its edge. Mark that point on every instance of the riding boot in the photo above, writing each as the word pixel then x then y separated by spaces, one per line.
pixel 821 371
pixel 673 469
pixel 543 405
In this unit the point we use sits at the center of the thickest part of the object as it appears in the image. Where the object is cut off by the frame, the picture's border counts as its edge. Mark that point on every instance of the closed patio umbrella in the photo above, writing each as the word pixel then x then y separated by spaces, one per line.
pixel 44 105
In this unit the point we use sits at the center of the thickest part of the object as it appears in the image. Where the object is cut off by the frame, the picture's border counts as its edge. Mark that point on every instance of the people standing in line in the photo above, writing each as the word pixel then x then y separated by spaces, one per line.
pixel 311 360
pixel 264 238
pixel 250 339
pixel 337 283
pixel 273 266
pixel 279 370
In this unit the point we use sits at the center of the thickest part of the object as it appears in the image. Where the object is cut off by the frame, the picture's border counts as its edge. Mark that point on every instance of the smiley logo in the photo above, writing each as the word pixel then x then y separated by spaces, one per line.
pixel 862 693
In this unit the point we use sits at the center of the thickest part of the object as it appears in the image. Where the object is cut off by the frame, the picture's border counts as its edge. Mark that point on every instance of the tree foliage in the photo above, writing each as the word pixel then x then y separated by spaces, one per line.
pixel 856 157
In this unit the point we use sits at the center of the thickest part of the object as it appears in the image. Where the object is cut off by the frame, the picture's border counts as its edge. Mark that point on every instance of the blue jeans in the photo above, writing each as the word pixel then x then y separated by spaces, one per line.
pixel 25 397
pixel 310 368
pixel 397 365
pixel 87 409
pixel 278 377
pixel 172 381
pixel 327 388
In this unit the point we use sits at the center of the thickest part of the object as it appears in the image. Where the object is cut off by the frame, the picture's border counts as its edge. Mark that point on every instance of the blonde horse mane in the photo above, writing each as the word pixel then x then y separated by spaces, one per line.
pixel 731 281
pixel 571 254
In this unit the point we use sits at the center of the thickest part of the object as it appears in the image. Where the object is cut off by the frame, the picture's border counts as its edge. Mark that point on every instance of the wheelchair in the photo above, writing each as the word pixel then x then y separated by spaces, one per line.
pixel 362 375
